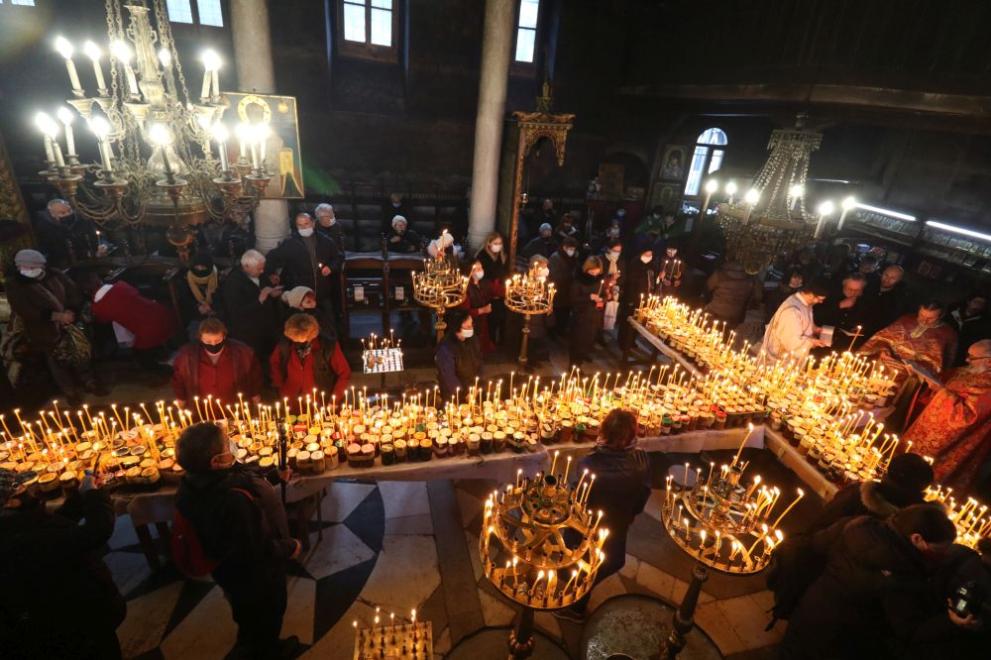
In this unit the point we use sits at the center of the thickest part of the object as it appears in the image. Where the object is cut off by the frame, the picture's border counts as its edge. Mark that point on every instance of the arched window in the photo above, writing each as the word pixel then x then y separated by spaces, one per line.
pixel 708 158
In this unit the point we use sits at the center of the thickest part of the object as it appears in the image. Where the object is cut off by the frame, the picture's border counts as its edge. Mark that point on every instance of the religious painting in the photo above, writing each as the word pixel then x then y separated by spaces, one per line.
pixel 282 150
pixel 667 196
pixel 611 180
pixel 673 163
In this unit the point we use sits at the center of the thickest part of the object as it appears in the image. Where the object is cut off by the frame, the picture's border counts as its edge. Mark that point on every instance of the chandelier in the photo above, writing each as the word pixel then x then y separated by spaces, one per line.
pixel 772 218
pixel 154 140
pixel 440 286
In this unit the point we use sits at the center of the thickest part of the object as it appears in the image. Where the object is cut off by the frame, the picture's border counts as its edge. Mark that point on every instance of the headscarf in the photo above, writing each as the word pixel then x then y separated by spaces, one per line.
pixel 202 286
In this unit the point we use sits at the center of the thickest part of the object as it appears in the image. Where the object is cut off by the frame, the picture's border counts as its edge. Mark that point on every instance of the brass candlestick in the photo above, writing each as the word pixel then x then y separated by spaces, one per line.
pixel 529 294
pixel 440 286
pixel 533 530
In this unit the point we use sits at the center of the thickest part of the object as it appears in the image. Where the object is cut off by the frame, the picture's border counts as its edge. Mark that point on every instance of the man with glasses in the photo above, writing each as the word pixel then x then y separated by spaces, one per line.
pixel 792 332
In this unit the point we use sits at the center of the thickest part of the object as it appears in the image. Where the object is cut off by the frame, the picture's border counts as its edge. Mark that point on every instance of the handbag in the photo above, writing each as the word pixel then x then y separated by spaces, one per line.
pixel 609 317
pixel 73 347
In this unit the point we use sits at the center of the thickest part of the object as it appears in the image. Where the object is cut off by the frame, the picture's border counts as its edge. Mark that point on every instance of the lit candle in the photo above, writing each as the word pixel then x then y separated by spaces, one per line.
pixel 122 53
pixel 65 49
pixel 66 117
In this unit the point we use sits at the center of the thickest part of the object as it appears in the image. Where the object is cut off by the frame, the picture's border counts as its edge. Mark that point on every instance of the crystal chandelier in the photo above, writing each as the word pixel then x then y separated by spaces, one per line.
pixel 154 139
pixel 772 218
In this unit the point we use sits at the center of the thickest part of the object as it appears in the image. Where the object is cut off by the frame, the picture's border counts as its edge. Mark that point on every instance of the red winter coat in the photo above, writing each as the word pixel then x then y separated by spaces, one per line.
pixel 151 323
pixel 237 370
pixel 294 378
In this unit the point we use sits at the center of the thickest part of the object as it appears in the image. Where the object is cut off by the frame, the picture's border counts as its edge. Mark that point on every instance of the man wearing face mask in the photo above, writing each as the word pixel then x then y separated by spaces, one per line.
pixel 328 226
pixel 63 237
pixel 241 525
pixel 587 303
pixel 306 258
pixel 543 244
pixel 307 358
pixel 870 563
pixel 458 357
pixel 44 304
pixel 563 264
pixel 955 426
pixel 639 280
pixel 215 365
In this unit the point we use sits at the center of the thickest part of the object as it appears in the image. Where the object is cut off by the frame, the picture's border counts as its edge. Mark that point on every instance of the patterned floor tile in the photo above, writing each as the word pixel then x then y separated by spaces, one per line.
pixel 405 574
pixel 208 631
pixel 418 524
pixel 339 549
pixel 404 498
pixel 146 621
pixel 342 499
pixel 300 609
pixel 335 594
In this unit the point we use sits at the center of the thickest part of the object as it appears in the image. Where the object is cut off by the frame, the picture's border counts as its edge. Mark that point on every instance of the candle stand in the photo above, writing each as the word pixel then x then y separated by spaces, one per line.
pixel 440 287
pixel 529 295
pixel 533 530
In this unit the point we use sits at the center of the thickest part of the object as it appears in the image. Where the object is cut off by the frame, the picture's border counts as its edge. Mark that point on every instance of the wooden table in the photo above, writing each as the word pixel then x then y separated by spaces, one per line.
pixel 669 352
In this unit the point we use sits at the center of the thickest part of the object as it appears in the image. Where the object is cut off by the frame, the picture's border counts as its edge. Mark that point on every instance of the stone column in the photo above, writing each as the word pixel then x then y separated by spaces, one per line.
pixel 256 73
pixel 496 46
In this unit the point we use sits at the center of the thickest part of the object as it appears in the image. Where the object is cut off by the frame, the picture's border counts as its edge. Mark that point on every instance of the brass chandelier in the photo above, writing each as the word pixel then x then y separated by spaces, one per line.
pixel 156 161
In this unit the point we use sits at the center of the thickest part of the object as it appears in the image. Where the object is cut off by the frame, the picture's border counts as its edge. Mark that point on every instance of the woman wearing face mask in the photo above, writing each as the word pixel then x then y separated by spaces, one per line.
pixel 495 270
pixel 458 357
pixel 563 264
pixel 306 358
pixel 44 304
pixel 587 303
pixel 196 290
pixel 638 282
pixel 215 365
pixel 478 302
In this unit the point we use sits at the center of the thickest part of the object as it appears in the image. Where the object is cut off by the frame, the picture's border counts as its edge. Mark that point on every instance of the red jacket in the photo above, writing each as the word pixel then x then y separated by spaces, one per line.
pixel 237 370
pixel 294 378
pixel 151 323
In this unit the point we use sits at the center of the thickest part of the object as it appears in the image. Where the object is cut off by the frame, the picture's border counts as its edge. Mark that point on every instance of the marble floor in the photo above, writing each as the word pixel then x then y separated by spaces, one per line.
pixel 400 545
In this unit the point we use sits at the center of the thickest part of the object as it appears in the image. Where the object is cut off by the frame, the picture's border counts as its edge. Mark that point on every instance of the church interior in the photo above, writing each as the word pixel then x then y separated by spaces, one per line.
pixel 495 328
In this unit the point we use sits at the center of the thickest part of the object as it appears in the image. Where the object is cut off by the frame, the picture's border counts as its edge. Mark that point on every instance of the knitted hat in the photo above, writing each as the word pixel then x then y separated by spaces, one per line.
pixel 909 473
pixel 10 480
pixel 29 258
pixel 397 219
pixel 546 227
pixel 294 297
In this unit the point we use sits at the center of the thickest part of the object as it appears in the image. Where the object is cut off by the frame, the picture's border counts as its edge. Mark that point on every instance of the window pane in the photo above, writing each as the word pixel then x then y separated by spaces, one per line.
pixel 524 44
pixel 23 3
pixel 179 11
pixel 528 13
pixel 713 136
pixel 717 161
pixel 354 22
pixel 382 4
pixel 695 173
pixel 210 13
pixel 381 27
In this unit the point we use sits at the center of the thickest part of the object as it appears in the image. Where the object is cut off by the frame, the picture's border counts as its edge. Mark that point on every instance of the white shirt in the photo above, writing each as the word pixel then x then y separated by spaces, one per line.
pixel 790 332
pixel 123 336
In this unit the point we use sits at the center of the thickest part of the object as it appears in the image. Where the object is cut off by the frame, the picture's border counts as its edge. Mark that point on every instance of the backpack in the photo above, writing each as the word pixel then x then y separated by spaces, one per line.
pixel 187 548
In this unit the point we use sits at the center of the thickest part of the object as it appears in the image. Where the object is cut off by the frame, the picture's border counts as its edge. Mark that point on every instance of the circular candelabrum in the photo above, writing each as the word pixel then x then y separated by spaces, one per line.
pixel 529 294
pixel 541 546
pixel 725 522
pixel 440 287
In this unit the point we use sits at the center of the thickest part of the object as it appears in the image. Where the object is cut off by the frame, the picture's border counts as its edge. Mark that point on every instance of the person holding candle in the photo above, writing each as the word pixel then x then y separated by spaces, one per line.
pixel 954 428
pixel 309 357
pixel 620 492
pixel 639 282
pixel 242 530
pixel 478 302
pixel 563 265
pixel 307 258
pixel 59 599
pixel 249 304
pixel 869 561
pixel 847 313
pixel 792 332
pixel 587 303
pixel 215 365
pixel 458 357
pixel 328 226
pixel 496 270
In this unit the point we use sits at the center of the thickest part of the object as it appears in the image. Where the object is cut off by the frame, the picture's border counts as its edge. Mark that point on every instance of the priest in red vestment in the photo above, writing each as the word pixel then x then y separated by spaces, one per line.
pixel 922 338
pixel 955 428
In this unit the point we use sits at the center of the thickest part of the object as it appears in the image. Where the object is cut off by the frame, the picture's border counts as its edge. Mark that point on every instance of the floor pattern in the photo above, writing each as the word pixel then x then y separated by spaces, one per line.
pixel 400 545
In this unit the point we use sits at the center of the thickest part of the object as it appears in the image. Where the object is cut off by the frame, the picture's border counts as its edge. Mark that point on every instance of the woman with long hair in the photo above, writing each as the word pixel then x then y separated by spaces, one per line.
pixel 495 269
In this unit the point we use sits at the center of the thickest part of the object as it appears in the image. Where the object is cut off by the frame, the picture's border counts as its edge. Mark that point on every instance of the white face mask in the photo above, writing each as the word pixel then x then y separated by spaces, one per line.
pixel 33 273
pixel 496 248
pixel 646 258
pixel 477 274
pixel 467 334
pixel 306 233
pixel 569 251
pixel 612 256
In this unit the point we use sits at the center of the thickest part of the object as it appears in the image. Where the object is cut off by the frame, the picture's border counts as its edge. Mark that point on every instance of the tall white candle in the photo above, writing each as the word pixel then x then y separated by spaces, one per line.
pixel 65 49
pixel 49 151
pixel 65 116
pixel 93 52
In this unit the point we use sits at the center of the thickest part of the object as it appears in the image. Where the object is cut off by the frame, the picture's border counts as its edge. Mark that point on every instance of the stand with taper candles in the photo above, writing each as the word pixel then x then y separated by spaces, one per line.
pixel 412 639
pixel 541 546
pixel 440 286
pixel 529 294
pixel 725 522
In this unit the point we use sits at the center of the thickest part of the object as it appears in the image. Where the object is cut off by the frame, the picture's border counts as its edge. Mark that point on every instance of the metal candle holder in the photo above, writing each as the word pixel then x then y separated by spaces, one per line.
pixel 440 287
pixel 529 294
pixel 541 546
